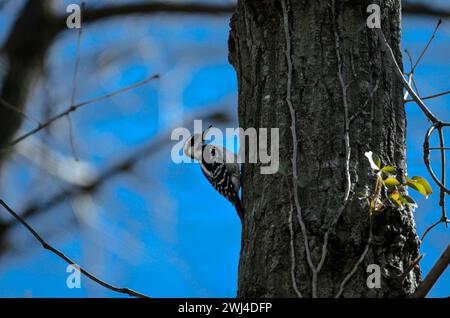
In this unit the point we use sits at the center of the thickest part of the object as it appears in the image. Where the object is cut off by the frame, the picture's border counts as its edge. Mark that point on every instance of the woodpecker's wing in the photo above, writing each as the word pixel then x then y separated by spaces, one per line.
pixel 213 153
pixel 233 167
pixel 218 175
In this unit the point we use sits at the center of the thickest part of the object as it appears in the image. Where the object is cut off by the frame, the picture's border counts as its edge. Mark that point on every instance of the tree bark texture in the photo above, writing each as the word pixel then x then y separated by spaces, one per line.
pixel 339 78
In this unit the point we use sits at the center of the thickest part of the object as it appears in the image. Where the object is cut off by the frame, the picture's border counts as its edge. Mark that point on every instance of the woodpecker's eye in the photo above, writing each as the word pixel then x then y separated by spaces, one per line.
pixel 213 151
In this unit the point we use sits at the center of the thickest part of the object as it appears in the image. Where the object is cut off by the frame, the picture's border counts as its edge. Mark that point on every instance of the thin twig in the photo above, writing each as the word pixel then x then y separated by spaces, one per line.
pixel 439 148
pixel 437 124
pixel 426 155
pixel 441 191
pixel 432 226
pixel 74 89
pixel 408 87
pixel 409 58
pixel 71 139
pixel 79 105
pixel 415 86
pixel 430 97
pixel 441 183
pixel 426 46
pixel 18 111
pixel 61 255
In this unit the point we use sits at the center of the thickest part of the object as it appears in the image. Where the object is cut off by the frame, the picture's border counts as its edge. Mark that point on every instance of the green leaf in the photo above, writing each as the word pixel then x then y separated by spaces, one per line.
pixel 396 197
pixel 424 183
pixel 410 201
pixel 389 170
pixel 416 186
pixel 391 182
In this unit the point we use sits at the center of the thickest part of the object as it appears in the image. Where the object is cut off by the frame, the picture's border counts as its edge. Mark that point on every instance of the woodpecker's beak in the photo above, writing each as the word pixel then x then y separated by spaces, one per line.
pixel 205 132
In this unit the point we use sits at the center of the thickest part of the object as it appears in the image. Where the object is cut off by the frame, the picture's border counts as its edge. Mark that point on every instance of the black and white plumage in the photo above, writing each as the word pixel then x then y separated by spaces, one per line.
pixel 220 167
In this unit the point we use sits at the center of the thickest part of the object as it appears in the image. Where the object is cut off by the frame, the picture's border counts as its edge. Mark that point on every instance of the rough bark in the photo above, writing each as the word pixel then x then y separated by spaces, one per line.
pixel 257 45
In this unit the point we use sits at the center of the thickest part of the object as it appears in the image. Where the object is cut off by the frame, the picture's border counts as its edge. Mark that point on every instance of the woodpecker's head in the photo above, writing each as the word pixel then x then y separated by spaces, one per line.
pixel 193 146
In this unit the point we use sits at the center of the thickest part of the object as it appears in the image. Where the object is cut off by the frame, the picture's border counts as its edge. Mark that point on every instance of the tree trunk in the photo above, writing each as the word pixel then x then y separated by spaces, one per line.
pixel 318 64
pixel 24 52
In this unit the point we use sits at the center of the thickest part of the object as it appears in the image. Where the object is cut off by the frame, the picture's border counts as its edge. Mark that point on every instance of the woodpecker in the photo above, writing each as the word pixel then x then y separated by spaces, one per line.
pixel 220 167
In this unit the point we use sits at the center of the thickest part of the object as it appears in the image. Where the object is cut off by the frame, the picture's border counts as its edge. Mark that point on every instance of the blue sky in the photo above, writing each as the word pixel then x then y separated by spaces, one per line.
pixel 152 231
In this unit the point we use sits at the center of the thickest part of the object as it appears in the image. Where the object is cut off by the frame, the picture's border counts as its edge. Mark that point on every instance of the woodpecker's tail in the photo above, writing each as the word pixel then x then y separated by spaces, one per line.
pixel 239 209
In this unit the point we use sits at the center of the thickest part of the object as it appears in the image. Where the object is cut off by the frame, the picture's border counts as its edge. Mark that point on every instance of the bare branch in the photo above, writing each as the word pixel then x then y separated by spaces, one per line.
pixel 18 111
pixel 38 22
pixel 442 189
pixel 432 226
pixel 406 85
pixel 94 15
pixel 408 54
pixel 437 124
pixel 426 155
pixel 426 46
pixel 439 148
pixel 424 10
pixel 430 97
pixel 76 106
pixel 74 89
pixel 434 274
pixel 61 255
